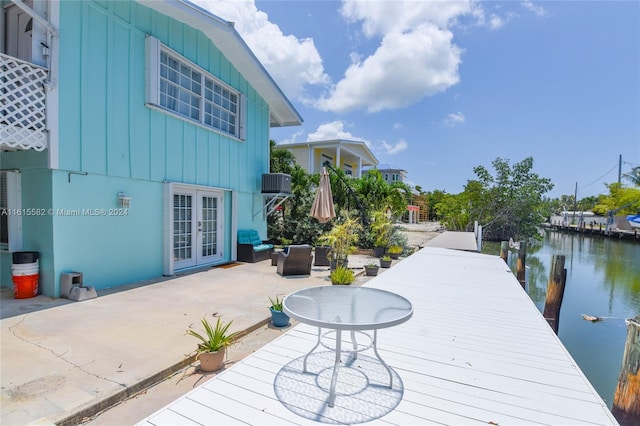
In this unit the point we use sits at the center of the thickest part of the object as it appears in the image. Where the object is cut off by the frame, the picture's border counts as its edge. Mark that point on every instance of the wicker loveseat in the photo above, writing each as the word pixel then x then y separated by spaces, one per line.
pixel 251 248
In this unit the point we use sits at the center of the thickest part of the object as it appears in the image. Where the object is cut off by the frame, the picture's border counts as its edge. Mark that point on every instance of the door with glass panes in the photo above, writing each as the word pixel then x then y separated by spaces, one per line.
pixel 197 228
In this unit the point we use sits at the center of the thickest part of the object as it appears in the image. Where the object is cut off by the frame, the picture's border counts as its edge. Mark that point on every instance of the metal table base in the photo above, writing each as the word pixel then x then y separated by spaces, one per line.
pixel 354 353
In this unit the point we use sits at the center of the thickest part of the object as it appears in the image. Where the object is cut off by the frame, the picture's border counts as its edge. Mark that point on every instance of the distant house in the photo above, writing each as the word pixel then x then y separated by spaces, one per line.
pixel 134 135
pixel 391 174
pixel 350 156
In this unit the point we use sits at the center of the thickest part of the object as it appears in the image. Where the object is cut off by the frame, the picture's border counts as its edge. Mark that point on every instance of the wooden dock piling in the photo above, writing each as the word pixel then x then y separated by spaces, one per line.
pixel 626 401
pixel 555 291
pixel 504 251
pixel 521 264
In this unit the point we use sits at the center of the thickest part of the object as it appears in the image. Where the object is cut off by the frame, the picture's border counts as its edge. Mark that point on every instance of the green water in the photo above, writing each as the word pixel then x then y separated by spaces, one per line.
pixel 603 279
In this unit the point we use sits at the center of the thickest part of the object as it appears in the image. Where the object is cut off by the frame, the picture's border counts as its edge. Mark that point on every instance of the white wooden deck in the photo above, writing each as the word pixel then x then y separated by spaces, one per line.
pixel 476 351
pixel 454 240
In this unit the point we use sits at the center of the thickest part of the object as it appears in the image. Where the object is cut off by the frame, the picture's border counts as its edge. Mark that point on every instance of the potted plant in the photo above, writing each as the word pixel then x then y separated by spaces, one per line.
pixel 341 238
pixel 381 228
pixel 278 317
pixel 385 261
pixel 213 344
pixel 342 276
pixel 371 269
pixel 394 251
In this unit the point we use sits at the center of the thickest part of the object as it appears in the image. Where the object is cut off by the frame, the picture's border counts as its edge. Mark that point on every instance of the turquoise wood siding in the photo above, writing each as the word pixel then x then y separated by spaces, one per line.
pixel 105 127
pixel 37 231
pixel 93 236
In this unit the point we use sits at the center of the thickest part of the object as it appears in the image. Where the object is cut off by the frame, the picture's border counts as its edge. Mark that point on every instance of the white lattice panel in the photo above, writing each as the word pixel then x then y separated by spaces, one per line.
pixel 22 105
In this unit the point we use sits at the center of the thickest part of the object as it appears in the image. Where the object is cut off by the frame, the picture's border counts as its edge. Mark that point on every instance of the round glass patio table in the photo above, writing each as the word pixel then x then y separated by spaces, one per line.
pixel 347 308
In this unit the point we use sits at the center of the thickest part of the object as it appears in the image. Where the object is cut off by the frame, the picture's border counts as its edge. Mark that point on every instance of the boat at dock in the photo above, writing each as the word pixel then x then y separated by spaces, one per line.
pixel 634 220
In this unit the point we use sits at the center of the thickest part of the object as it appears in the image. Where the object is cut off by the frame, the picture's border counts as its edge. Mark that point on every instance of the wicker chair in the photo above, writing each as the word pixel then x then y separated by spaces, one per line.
pixel 296 261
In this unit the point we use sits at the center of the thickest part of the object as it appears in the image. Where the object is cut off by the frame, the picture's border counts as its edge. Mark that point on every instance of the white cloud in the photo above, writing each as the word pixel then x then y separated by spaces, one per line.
pixel 537 10
pixel 294 64
pixel 453 119
pixel 332 130
pixel 406 67
pixel 391 149
pixel 293 138
pixel 416 56
pixel 383 17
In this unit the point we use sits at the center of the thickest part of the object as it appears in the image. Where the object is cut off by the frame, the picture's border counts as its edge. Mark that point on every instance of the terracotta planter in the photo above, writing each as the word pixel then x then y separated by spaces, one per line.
pixel 212 361
pixel 279 318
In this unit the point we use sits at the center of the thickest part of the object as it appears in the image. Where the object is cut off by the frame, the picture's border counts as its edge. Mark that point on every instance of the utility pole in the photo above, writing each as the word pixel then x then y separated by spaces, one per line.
pixel 575 203
pixel 620 169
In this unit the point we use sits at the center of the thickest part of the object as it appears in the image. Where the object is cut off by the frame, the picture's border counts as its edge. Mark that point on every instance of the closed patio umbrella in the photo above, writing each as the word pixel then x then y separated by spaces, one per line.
pixel 322 208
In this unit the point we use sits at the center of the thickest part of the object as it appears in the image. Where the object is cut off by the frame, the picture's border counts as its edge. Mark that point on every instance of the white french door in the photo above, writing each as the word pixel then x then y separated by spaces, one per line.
pixel 197 227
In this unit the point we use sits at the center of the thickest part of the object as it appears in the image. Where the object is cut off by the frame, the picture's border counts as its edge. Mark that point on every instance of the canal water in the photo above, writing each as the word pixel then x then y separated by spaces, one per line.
pixel 603 280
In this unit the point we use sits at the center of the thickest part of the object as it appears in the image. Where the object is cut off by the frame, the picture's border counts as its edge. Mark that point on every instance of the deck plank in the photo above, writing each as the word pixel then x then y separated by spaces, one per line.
pixel 476 351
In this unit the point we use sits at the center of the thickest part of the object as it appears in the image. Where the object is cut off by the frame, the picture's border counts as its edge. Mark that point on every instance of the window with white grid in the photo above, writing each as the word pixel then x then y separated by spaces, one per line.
pixel 181 87
pixel 182 227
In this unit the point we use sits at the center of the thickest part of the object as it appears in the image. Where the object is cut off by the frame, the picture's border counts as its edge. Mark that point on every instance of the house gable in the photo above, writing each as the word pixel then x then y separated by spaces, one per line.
pixel 105 127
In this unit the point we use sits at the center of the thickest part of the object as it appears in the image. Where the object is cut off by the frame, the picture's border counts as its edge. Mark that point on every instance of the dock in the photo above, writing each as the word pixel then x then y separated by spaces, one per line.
pixel 596 230
pixel 476 351
pixel 454 240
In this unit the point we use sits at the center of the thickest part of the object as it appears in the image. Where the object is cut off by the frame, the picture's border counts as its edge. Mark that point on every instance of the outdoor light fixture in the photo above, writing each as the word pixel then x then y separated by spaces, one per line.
pixel 123 201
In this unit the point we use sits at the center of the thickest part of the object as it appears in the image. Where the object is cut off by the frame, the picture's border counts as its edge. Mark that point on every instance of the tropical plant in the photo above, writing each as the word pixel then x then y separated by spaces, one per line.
pixel 381 228
pixel 620 199
pixel 215 338
pixel 394 250
pixel 385 261
pixel 507 205
pixel 342 276
pixel 633 176
pixel 342 238
pixel 276 304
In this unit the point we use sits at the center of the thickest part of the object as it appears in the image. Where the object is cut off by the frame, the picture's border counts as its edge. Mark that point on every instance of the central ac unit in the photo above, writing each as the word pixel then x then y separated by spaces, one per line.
pixel 275 183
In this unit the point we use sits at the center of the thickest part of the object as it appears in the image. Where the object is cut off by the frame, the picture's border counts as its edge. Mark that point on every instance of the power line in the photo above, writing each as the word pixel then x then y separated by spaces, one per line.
pixel 598 179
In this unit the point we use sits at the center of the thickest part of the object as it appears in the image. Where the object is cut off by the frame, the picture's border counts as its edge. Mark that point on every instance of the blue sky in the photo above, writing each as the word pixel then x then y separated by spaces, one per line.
pixel 439 87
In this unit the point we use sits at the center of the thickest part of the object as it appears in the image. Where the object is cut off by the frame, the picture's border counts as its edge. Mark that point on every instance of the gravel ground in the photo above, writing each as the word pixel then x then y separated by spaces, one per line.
pixel 419 233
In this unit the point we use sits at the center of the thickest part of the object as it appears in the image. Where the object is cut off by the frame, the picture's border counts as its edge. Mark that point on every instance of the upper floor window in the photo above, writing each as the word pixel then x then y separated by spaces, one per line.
pixel 181 87
pixel 348 169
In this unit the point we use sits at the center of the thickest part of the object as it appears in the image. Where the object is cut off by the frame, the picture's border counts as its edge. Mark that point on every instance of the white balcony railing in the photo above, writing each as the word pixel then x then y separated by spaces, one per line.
pixel 22 105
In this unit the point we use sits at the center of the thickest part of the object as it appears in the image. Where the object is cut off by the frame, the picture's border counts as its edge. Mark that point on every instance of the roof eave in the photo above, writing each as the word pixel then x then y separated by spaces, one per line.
pixel 223 34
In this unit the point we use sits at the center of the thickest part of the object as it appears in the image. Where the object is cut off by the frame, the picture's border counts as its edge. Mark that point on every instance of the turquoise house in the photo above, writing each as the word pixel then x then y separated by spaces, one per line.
pixel 133 138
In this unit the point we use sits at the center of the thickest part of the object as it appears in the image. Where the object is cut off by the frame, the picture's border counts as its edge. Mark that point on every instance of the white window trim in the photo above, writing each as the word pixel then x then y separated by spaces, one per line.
pixel 14 209
pixel 154 48
pixel 170 188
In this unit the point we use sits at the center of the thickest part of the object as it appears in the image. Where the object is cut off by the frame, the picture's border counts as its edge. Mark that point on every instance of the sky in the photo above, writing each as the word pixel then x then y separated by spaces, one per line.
pixel 439 87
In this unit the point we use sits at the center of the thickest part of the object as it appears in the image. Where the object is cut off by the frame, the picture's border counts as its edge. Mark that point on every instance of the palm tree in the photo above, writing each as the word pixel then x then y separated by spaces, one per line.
pixel 634 176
